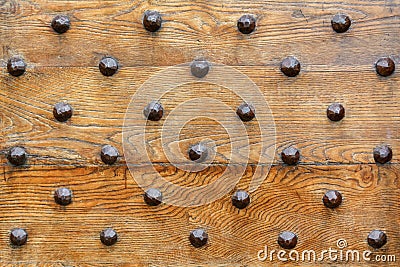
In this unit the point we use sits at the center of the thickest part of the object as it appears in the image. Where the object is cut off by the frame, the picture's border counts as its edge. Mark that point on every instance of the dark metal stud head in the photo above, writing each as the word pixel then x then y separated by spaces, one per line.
pixel 240 199
pixel 61 23
pixel 108 236
pixel 198 152
pixel 198 237
pixel 383 154
pixel 153 197
pixel 332 199
pixel 377 239
pixel 109 154
pixel 16 66
pixel 290 155
pixel 287 240
pixel 290 66
pixel 63 196
pixel 62 111
pixel 246 24
pixel 152 20
pixel 153 111
pixel 200 68
pixel 340 23
pixel 246 112
pixel 335 112
pixel 18 237
pixel 17 156
pixel 108 66
pixel 385 66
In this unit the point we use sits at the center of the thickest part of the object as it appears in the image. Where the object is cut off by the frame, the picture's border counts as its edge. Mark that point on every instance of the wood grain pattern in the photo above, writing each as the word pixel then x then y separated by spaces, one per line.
pixel 201 28
pixel 335 68
pixel 298 106
pixel 104 197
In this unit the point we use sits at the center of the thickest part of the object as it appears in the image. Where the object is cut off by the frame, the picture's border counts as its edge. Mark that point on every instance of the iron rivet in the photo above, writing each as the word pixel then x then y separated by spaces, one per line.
pixel 332 199
pixel 62 111
pixel 199 68
pixel 109 154
pixel 246 112
pixel 63 196
pixel 377 239
pixel 246 24
pixel 17 156
pixel 240 199
pixel 385 66
pixel 198 152
pixel 335 112
pixel 153 197
pixel 108 66
pixel 153 111
pixel 290 155
pixel 61 23
pixel 198 237
pixel 287 240
pixel 152 20
pixel 383 154
pixel 108 236
pixel 18 237
pixel 340 23
pixel 290 66
pixel 16 66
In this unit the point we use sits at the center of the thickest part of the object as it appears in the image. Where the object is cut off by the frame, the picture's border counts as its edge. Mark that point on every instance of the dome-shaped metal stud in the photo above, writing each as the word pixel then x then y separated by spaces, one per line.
pixel 335 112
pixel 246 112
pixel 198 237
pixel 152 20
pixel 377 239
pixel 240 199
pixel 63 196
pixel 153 197
pixel 17 156
pixel 246 24
pixel 382 154
pixel 108 236
pixel 385 66
pixel 61 23
pixel 287 240
pixel 108 66
pixel 109 154
pixel 290 155
pixel 290 66
pixel 62 111
pixel 18 237
pixel 198 152
pixel 332 199
pixel 16 66
pixel 153 111
pixel 340 23
pixel 199 68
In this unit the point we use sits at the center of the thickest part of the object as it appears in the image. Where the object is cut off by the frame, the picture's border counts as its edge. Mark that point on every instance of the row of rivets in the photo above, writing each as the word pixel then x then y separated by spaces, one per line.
pixel 246 24
pixel 199 238
pixel 109 154
pixel 17 155
pixel 289 66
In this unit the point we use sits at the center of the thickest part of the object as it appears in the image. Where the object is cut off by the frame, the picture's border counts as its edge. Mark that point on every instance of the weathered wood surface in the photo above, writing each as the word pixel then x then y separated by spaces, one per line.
pixel 298 106
pixel 335 68
pixel 289 199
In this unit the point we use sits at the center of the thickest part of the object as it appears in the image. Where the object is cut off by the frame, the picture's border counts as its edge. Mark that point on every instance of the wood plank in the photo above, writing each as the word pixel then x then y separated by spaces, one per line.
pixel 298 106
pixel 289 199
pixel 200 29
